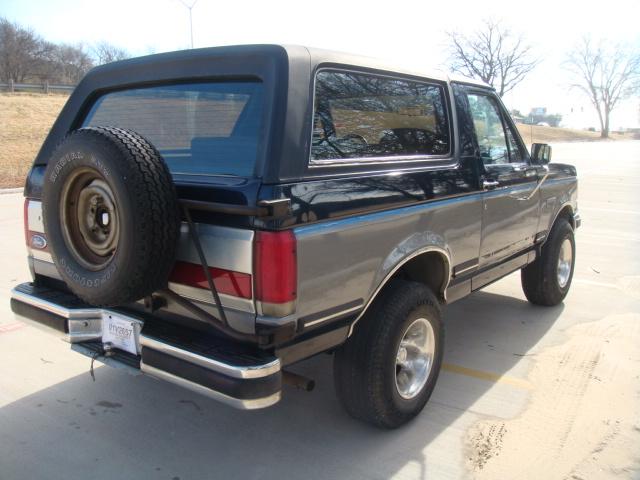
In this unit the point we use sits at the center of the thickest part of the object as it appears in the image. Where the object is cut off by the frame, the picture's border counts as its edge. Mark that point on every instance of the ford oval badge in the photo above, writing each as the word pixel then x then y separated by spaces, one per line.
pixel 38 241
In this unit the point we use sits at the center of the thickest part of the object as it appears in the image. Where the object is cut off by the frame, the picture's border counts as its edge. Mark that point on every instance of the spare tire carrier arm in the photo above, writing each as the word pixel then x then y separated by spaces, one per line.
pixel 266 208
pixel 205 265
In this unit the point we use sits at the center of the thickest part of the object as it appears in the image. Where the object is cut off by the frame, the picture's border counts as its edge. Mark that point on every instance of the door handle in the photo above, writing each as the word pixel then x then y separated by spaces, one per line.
pixel 527 170
pixel 490 184
pixel 535 190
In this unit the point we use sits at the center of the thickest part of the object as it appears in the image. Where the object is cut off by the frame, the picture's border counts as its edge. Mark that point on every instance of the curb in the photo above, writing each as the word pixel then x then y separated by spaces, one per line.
pixel 4 191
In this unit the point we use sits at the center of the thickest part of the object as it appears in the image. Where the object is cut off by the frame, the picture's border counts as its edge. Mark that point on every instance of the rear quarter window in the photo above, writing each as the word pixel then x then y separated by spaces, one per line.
pixel 199 128
pixel 363 117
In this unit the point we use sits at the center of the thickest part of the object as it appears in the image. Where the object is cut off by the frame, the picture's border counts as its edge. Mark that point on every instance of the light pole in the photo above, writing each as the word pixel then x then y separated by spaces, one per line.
pixel 190 7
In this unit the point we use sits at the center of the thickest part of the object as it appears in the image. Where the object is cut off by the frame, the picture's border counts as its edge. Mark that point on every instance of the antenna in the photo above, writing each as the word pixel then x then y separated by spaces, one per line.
pixel 190 7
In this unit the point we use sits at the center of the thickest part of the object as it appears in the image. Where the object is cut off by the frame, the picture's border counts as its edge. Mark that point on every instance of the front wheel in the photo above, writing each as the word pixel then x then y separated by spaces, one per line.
pixel 386 371
pixel 547 280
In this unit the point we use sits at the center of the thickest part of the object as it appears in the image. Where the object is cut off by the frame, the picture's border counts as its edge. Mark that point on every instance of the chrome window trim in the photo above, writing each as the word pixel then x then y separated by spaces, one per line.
pixel 391 159
pixel 397 267
pixel 381 168
pixel 350 162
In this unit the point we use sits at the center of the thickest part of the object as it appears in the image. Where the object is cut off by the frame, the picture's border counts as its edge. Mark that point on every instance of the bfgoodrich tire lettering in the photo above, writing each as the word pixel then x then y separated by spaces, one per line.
pixel 365 366
pixel 131 205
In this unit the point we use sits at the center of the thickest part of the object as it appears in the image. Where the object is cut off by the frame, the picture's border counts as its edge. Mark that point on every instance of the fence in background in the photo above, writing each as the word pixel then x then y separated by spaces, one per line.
pixel 35 87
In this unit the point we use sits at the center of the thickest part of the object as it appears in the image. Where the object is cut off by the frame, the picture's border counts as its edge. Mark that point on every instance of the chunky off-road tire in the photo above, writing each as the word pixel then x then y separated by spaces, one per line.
pixel 365 367
pixel 110 215
pixel 547 280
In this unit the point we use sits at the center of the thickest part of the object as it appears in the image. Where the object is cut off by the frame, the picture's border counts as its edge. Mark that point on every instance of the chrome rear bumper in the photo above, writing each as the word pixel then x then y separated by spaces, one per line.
pixel 240 376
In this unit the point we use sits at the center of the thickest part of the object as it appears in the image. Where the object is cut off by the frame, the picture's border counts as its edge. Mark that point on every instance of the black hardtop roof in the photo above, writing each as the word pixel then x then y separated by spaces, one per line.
pixel 286 70
pixel 245 52
pixel 292 54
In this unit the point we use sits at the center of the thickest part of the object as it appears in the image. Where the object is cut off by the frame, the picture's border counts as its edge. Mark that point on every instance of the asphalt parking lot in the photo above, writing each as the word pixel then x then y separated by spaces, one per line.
pixel 526 392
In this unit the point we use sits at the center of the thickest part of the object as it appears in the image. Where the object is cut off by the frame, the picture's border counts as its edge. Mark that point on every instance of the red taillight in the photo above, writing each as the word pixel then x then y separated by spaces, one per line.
pixel 275 267
pixel 226 281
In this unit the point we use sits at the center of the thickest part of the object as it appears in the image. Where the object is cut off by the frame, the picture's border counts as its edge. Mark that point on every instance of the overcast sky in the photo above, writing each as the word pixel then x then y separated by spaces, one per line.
pixel 410 32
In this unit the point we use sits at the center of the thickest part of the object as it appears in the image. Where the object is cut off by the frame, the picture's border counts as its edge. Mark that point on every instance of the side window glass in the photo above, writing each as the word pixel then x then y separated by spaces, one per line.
pixel 489 130
pixel 466 130
pixel 515 151
pixel 363 116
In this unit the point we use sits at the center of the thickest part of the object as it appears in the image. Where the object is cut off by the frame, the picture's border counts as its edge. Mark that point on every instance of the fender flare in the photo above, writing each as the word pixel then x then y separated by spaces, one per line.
pixel 431 248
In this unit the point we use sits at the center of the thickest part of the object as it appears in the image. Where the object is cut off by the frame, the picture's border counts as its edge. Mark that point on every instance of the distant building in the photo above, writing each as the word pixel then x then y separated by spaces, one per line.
pixel 539 116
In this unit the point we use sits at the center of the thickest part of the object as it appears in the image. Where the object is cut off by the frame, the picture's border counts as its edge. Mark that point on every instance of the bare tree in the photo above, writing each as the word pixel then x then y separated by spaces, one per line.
pixel 25 56
pixel 606 74
pixel 104 52
pixel 21 51
pixel 72 63
pixel 492 54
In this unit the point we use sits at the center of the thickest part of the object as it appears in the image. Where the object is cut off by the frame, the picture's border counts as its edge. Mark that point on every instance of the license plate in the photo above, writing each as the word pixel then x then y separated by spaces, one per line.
pixel 121 332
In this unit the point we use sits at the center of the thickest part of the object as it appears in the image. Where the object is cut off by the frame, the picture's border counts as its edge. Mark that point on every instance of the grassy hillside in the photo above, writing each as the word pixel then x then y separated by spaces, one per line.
pixel 25 119
pixel 535 134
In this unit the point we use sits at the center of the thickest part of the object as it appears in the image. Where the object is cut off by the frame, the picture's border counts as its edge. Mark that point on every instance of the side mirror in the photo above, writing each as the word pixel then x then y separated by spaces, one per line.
pixel 540 153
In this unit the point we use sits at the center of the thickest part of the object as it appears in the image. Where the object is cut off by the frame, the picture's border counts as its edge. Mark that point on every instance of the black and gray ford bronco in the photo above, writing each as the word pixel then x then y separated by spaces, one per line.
pixel 211 217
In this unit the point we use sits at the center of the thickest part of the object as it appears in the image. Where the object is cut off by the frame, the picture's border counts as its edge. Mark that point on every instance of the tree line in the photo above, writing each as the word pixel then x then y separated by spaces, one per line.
pixel 26 57
pixel 605 73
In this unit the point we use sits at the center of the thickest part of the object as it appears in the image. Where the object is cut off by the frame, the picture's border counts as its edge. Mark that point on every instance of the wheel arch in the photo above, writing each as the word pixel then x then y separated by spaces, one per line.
pixel 566 212
pixel 428 265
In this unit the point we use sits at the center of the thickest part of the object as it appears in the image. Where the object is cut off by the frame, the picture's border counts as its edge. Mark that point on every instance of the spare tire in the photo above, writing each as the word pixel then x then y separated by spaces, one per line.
pixel 111 215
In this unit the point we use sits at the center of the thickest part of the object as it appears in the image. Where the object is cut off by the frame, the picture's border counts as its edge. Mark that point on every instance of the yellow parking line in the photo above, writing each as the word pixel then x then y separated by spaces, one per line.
pixel 488 376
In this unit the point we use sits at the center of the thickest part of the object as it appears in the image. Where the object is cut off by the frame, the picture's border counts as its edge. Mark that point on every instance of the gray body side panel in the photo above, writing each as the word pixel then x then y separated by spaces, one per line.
pixel 343 261
pixel 555 195
pixel 510 221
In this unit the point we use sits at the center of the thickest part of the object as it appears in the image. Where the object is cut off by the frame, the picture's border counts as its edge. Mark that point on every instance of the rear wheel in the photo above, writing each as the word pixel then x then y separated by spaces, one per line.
pixel 547 280
pixel 386 371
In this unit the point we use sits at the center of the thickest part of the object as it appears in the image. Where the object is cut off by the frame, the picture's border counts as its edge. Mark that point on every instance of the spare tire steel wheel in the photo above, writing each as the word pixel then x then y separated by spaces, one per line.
pixel 111 215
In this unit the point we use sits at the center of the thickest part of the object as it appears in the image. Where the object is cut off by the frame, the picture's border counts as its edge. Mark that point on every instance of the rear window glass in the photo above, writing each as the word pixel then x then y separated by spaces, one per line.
pixel 200 128
pixel 367 116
